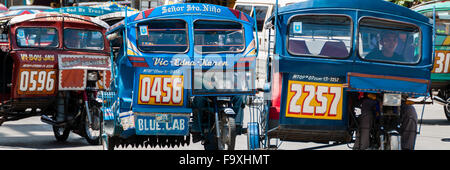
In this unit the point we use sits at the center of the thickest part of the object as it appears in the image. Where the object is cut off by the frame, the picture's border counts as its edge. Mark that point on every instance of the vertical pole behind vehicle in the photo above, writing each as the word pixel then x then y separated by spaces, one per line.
pixel 216 112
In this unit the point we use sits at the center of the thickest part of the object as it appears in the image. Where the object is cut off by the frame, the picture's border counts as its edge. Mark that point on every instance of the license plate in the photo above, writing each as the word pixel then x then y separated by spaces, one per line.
pixel 314 100
pixel 161 90
pixel 162 124
pixel 36 81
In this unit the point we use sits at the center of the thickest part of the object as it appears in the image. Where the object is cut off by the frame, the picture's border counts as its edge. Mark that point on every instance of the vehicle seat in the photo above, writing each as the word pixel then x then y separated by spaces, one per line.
pixel 298 47
pixel 334 49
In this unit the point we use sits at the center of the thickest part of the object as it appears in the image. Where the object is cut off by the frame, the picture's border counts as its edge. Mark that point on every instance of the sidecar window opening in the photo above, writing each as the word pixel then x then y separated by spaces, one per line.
pixel 218 36
pixel 378 36
pixel 326 36
pixel 163 36
pixel 37 37
pixel 83 39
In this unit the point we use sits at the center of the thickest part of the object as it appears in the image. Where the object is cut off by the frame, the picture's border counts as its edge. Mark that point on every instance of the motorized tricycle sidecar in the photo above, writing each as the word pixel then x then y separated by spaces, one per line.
pixel 59 62
pixel 327 59
pixel 178 71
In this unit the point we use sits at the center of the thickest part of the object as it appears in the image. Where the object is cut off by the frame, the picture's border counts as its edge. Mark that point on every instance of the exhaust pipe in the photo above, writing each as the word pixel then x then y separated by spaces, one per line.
pixel 440 100
pixel 50 121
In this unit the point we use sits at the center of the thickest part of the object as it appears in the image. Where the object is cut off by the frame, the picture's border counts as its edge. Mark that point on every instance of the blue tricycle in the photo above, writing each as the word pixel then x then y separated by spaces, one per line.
pixel 181 69
pixel 329 57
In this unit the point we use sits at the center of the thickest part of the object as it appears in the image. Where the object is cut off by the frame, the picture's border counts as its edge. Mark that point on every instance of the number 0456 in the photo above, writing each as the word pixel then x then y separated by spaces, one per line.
pixel 314 100
pixel 161 90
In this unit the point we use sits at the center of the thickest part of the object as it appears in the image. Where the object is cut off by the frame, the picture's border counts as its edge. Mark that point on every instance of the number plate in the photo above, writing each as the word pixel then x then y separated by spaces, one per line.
pixel 160 90
pixel 36 81
pixel 162 124
pixel 314 100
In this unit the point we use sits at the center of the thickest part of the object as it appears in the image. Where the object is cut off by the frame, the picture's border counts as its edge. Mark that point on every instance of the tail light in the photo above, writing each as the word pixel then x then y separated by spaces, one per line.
pixel 274 110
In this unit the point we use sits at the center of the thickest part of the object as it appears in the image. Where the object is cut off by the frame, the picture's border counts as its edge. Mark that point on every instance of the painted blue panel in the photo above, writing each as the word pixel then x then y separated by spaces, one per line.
pixel 127 133
pixel 216 11
pixel 167 124
pixel 388 85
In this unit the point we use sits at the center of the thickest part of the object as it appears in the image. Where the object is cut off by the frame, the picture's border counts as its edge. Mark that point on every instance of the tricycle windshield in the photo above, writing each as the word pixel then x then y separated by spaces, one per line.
pixel 83 39
pixel 218 36
pixel 37 37
pixel 389 41
pixel 320 35
pixel 163 36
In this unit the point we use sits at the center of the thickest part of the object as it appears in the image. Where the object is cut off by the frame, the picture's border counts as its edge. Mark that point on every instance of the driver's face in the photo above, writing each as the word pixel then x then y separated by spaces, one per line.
pixel 389 42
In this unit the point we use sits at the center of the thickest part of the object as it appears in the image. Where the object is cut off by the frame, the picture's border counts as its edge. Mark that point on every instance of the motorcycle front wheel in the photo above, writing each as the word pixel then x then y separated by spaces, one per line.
pixel 92 131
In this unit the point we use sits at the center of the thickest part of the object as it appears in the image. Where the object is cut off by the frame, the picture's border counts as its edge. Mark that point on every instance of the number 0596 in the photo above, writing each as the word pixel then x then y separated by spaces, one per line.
pixel 314 100
pixel 36 81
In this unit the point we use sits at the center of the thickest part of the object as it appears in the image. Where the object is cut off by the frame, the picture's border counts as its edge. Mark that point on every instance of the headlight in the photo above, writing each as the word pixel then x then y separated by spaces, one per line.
pixel 92 76
pixel 392 99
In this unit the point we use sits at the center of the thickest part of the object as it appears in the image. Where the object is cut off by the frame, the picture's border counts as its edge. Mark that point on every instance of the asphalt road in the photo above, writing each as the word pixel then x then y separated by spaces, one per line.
pixel 32 134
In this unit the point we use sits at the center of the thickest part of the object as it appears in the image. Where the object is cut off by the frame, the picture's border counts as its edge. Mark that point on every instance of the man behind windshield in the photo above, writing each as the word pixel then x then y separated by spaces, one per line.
pixel 389 42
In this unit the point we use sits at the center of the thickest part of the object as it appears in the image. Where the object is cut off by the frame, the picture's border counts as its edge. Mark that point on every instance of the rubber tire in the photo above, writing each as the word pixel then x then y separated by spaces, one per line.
pixel 61 137
pixel 211 142
pixel 92 141
pixel 231 132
